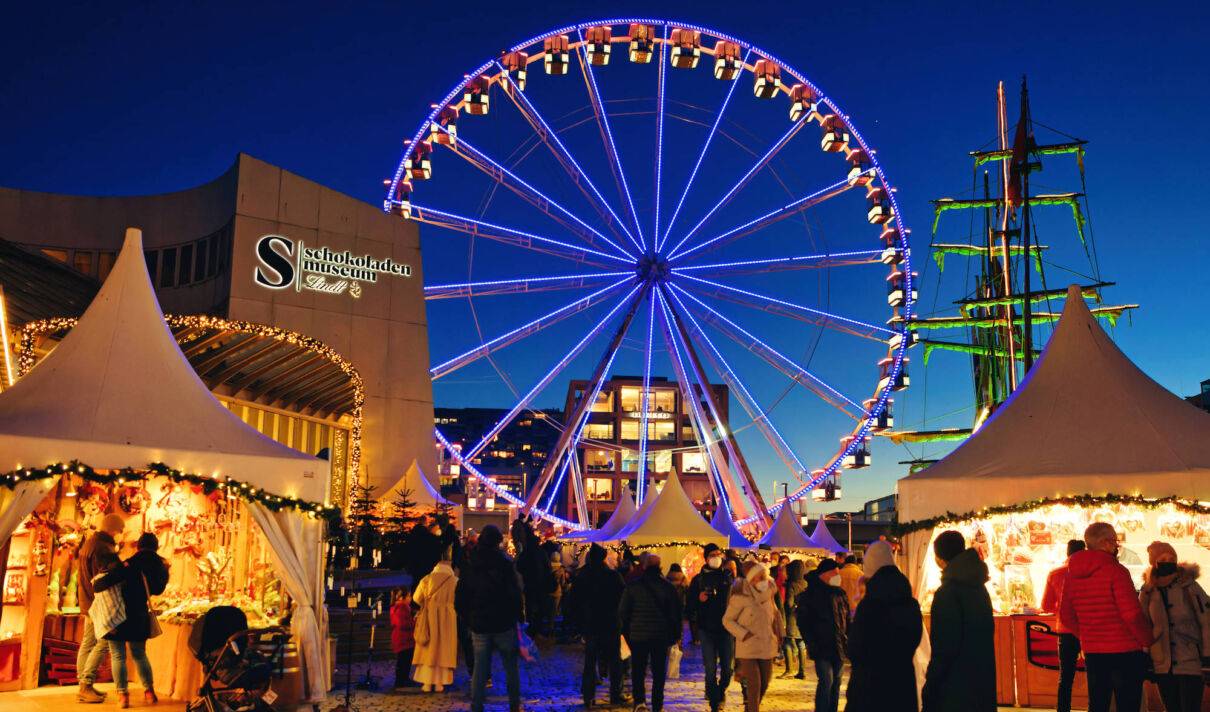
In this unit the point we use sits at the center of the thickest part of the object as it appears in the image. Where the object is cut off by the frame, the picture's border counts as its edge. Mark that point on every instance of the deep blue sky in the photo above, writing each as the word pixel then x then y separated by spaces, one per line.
pixel 158 97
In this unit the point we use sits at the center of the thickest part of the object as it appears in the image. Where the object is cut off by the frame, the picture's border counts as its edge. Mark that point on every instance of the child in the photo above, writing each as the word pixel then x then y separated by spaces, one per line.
pixel 402 643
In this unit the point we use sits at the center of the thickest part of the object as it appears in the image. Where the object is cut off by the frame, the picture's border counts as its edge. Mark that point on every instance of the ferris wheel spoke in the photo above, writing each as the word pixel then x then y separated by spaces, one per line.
pixel 743 181
pixel 747 486
pixel 515 237
pixel 566 160
pixel 527 192
pixel 773 305
pixel 773 216
pixel 747 401
pixel 576 421
pixel 550 376
pixel 645 404
pixel 786 264
pixel 521 332
pixel 659 145
pixel 776 359
pixel 520 285
pixel 708 441
pixel 598 108
pixel 702 155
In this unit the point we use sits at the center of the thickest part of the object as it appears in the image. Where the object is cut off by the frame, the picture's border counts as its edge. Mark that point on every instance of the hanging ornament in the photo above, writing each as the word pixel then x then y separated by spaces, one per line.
pixel 133 500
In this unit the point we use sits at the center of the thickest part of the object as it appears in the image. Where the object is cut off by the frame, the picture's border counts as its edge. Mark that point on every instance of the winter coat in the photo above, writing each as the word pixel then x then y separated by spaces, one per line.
pixel 795 585
pixel 823 619
pixel 708 614
pixel 883 637
pixel 1052 596
pixel 129 575
pixel 1100 606
pixel 754 618
pixel 850 581
pixel 961 675
pixel 595 594
pixel 1179 614
pixel 99 553
pixel 650 610
pixel 435 596
pixel 488 597
pixel 681 585
pixel 403 627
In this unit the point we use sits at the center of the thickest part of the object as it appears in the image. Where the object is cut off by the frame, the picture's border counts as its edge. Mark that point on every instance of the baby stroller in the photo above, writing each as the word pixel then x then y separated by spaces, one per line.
pixel 239 663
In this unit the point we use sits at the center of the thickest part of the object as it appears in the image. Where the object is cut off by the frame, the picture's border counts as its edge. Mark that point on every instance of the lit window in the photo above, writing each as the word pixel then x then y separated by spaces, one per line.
pixel 600 431
pixel 599 488
pixel 630 429
pixel 693 462
pixel 604 403
pixel 631 398
pixel 599 461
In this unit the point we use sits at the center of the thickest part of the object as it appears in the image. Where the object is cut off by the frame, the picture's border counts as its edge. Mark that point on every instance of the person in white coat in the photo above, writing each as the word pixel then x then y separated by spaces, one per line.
pixel 755 620
pixel 436 631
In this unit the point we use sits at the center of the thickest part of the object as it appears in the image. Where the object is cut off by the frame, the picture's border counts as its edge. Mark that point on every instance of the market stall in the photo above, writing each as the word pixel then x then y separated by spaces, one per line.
pixel 1087 437
pixel 823 538
pixel 670 525
pixel 114 420
pixel 724 525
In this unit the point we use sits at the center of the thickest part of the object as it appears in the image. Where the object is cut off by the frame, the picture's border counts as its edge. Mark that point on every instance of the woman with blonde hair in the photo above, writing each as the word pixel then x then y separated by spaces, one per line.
pixel 436 633
pixel 755 620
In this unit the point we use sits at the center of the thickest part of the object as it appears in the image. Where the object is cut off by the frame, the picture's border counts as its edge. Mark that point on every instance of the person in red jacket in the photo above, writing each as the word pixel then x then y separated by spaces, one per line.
pixel 403 641
pixel 1069 644
pixel 1101 607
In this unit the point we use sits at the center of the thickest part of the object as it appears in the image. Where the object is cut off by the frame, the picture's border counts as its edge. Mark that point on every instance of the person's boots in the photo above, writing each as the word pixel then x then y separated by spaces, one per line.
pixel 124 700
pixel 89 694
pixel 150 698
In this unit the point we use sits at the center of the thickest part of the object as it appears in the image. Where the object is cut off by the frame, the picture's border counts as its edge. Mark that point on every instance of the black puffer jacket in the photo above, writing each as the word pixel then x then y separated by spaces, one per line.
pixel 708 614
pixel 596 590
pixel 883 637
pixel 650 610
pixel 488 595
pixel 130 575
pixel 823 619
pixel 961 675
pixel 795 585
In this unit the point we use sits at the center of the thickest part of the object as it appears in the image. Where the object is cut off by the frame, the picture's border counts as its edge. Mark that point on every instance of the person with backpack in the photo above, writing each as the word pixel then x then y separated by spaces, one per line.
pixel 489 597
pixel 649 616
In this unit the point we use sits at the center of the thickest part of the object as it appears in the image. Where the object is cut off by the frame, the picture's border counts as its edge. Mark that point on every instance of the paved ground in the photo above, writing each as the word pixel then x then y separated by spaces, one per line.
pixel 551 684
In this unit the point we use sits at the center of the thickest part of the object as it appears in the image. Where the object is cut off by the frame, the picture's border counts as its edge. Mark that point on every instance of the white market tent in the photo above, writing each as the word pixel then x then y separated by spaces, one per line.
pixel 786 533
pixel 418 489
pixel 622 514
pixel 117 392
pixel 1085 420
pixel 669 516
pixel 724 525
pixel 824 539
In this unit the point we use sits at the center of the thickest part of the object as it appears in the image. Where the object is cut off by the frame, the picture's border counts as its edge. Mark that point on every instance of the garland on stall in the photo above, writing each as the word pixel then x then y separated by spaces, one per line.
pixel 209 485
pixel 1078 500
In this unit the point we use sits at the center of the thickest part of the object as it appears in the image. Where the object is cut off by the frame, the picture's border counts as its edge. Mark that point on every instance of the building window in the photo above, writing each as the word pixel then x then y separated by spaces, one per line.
pixel 104 264
pixel 153 263
pixel 199 264
pixel 168 268
pixel 604 403
pixel 662 400
pixel 599 489
pixel 660 461
pixel 82 261
pixel 631 398
pixel 630 429
pixel 663 430
pixel 598 461
pixel 693 463
pixel 600 431
pixel 687 435
pixel 630 461
pixel 186 264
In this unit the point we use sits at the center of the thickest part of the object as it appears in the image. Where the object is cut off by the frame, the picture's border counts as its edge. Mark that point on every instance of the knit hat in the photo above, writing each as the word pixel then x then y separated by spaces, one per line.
pixel 826 565
pixel 710 549
pixel 1156 549
pixel 877 555
pixel 756 569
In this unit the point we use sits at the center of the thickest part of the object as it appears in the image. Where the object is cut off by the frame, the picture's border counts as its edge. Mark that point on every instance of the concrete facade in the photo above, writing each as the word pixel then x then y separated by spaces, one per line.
pixel 382 332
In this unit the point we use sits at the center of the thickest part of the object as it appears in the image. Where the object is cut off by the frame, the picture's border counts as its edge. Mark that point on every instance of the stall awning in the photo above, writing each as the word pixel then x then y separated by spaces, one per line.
pixel 1086 420
pixel 666 518
pixel 118 392
pixel 786 533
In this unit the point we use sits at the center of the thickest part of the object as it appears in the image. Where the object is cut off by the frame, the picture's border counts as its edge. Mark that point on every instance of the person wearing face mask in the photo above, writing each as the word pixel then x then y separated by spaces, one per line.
pixel 823 621
pixel 755 620
pixel 961 675
pixel 1179 613
pixel 705 604
pixel 1101 608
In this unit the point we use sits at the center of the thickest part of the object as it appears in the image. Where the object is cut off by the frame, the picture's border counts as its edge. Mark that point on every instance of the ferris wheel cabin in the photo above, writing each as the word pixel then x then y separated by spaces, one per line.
pixel 896 288
pixel 419 164
pixel 878 206
pixel 727 62
pixel 892 253
pixel 515 64
pixel 686 48
pixel 642 43
pixel 597 45
pixel 835 134
pixel 444 129
pixel 477 96
pixel 858 457
pixel 884 420
pixel 556 54
pixel 900 380
pixel 802 102
pixel 768 79
pixel 860 173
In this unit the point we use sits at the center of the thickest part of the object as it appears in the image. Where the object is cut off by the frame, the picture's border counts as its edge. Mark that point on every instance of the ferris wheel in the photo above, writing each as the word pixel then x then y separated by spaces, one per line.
pixel 656 197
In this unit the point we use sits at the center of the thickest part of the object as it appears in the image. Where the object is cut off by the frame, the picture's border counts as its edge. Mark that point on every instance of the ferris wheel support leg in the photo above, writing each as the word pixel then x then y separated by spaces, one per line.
pixel 707 444
pixel 577 481
pixel 570 165
pixel 574 423
pixel 751 491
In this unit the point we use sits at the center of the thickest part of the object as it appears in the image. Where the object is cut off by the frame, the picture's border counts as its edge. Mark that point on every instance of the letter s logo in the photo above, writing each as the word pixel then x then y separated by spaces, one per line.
pixel 276 269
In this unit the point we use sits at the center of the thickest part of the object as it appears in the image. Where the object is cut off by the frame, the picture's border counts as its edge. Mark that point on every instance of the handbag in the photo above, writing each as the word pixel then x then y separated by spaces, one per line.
pixel 421 633
pixel 154 630
pixel 108 610
pixel 674 662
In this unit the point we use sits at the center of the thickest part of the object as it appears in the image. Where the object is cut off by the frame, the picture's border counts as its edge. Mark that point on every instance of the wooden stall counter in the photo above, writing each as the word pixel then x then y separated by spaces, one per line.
pixel 1036 657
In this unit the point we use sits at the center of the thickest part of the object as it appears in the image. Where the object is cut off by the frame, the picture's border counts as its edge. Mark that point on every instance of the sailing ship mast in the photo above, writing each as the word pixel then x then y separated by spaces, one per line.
pixel 999 315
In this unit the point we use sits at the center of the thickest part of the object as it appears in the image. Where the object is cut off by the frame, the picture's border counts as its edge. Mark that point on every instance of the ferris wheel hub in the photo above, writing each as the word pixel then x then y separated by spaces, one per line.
pixel 653 268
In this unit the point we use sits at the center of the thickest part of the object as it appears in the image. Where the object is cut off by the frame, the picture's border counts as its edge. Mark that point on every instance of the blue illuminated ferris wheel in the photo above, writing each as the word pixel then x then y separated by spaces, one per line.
pixel 592 211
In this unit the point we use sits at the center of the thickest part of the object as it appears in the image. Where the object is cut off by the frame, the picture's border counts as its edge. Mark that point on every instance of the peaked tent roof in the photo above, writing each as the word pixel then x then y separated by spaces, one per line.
pixel 1086 420
pixel 724 525
pixel 418 487
pixel 668 516
pixel 824 539
pixel 786 533
pixel 117 392
pixel 623 513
